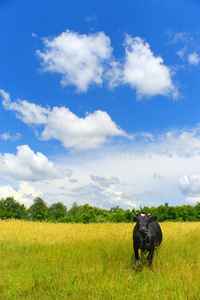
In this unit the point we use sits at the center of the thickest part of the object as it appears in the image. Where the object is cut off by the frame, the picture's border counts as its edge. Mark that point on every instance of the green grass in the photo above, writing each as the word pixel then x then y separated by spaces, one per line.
pixel 95 261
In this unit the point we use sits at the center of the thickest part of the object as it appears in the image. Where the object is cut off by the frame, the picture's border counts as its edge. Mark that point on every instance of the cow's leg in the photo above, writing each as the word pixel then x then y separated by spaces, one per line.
pixel 150 255
pixel 142 254
pixel 136 253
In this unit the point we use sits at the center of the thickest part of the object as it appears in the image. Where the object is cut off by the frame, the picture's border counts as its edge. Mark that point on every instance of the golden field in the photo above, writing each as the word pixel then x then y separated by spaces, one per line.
pixel 95 261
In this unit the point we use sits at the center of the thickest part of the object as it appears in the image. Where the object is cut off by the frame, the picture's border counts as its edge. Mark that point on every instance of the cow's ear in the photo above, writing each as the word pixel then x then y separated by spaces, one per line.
pixel 134 218
pixel 152 218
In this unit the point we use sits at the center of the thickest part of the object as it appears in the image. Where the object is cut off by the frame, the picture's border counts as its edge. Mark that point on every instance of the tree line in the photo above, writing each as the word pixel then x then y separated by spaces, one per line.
pixel 57 212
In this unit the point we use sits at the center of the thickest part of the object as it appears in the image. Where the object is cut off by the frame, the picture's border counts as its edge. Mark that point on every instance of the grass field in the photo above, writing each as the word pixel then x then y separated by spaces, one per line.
pixel 95 261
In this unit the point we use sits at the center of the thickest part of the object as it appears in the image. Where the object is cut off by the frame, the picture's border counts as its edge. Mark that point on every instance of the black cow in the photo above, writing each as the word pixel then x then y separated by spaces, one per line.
pixel 147 235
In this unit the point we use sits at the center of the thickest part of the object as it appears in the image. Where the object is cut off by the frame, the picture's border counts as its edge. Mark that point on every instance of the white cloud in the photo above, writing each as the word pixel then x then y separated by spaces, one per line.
pixel 130 177
pixel 91 18
pixel 190 185
pixel 80 133
pixel 73 180
pixel 83 60
pixel 193 59
pixel 103 197
pixel 24 195
pixel 123 177
pixel 26 165
pixel 145 72
pixel 60 123
pixel 183 37
pixel 114 74
pixel 189 46
pixel 186 143
pixel 182 52
pixel 29 113
pixel 134 184
pixel 34 35
pixel 193 200
pixel 7 136
pixel 80 59
pixel 105 182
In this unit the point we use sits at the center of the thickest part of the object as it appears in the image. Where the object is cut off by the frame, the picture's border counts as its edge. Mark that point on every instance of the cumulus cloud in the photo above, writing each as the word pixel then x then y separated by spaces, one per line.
pixel 80 133
pixel 114 74
pixel 101 196
pixel 105 182
pixel 186 143
pixel 182 52
pixel 84 60
pixel 91 18
pixel 73 180
pixel 29 113
pixel 25 193
pixel 26 165
pixel 13 137
pixel 193 59
pixel 80 59
pixel 192 200
pixel 190 186
pixel 147 179
pixel 145 72
pixel 60 123
pixel 189 46
pixel 176 37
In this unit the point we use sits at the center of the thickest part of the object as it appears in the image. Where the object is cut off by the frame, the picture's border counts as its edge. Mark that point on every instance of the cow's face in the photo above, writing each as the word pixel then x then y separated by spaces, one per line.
pixel 143 221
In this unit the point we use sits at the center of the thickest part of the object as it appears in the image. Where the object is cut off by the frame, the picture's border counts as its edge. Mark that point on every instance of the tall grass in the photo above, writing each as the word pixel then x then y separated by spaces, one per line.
pixel 95 261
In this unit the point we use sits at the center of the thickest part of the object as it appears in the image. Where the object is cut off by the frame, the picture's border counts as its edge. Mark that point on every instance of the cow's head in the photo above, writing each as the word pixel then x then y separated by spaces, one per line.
pixel 143 221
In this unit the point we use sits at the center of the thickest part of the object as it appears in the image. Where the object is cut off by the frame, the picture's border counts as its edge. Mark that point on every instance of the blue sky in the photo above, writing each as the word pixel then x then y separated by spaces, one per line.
pixel 99 102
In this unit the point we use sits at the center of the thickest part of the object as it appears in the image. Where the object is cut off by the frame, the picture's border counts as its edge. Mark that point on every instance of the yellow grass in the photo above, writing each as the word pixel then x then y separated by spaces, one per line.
pixel 95 261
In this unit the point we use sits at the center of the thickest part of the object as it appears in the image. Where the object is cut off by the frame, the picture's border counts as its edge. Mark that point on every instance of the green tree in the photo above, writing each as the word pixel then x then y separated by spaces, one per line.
pixel 38 210
pixel 74 210
pixel 117 215
pixel 10 208
pixel 197 211
pixel 57 211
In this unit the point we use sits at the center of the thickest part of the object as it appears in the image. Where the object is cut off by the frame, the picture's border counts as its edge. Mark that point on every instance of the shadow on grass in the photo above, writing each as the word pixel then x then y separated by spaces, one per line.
pixel 140 265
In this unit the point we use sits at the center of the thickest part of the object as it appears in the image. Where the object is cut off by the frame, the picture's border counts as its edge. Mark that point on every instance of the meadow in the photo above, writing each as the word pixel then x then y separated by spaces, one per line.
pixel 95 261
